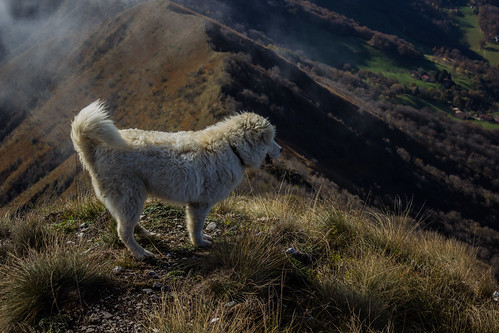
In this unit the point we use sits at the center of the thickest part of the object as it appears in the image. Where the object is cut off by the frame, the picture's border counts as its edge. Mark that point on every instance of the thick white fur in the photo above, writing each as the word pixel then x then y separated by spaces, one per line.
pixel 193 168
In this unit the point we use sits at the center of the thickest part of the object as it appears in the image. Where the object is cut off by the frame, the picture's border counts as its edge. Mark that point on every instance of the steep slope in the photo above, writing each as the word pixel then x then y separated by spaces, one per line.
pixel 155 62
pixel 354 148
pixel 163 66
pixel 379 132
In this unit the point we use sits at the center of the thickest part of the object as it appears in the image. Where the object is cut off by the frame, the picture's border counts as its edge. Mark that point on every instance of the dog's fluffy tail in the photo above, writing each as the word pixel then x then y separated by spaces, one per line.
pixel 91 128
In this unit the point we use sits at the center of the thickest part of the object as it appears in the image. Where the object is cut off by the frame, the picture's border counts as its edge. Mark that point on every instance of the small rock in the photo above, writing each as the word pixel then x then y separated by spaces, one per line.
pixel 231 304
pixel 147 291
pixel 106 315
pixel 152 274
pixel 80 234
pixel 495 296
pixel 301 257
pixel 211 226
pixel 117 269
pixel 214 320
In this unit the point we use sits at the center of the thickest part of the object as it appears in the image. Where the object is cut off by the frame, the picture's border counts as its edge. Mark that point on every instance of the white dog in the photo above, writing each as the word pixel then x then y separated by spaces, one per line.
pixel 193 168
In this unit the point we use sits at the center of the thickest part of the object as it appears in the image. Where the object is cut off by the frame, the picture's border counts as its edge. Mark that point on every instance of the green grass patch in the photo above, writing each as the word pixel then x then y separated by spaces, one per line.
pixel 158 210
pixel 379 63
pixel 69 219
pixel 486 125
pixel 473 35
pixel 460 80
pixel 419 103
pixel 393 68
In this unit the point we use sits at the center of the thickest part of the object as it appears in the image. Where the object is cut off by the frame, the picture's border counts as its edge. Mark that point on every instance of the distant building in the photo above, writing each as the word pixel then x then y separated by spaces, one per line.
pixel 461 114
pixel 486 117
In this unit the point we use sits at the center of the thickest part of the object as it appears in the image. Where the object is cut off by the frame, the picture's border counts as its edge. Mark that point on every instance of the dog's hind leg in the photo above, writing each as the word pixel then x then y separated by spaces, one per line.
pixel 196 215
pixel 125 232
pixel 127 213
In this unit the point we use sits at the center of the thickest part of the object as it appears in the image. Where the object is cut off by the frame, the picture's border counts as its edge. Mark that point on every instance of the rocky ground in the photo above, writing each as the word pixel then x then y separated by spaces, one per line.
pixel 124 310
pixel 140 285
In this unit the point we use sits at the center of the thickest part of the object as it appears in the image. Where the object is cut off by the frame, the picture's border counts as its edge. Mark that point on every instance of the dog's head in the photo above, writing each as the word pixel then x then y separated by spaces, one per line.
pixel 273 150
pixel 256 143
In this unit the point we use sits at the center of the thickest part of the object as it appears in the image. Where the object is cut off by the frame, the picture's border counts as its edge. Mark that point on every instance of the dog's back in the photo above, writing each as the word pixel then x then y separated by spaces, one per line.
pixel 92 127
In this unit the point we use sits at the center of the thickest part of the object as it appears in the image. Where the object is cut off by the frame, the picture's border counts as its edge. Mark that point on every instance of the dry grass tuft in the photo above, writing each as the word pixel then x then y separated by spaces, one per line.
pixel 182 311
pixel 43 283
pixel 42 272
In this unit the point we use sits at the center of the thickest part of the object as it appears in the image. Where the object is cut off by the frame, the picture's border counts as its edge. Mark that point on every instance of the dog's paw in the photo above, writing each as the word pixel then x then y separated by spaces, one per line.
pixel 144 255
pixel 204 243
pixel 207 237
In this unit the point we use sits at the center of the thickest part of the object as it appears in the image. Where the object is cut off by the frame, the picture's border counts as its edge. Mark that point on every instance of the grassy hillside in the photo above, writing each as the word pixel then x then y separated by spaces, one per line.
pixel 281 262
pixel 360 93
pixel 352 270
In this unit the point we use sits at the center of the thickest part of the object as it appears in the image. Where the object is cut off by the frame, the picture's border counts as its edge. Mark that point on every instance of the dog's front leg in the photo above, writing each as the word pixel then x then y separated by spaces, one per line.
pixel 196 215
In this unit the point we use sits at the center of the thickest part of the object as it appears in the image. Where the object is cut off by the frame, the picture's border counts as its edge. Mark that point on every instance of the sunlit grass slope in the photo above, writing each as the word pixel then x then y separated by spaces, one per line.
pixel 473 35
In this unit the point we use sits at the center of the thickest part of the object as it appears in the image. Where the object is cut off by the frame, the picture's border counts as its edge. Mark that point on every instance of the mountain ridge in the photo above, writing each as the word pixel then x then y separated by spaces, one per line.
pixel 167 66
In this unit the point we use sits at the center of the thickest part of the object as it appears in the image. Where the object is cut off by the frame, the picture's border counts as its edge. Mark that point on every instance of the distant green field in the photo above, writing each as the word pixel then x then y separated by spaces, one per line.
pixel 486 125
pixel 418 103
pixel 473 35
pixel 461 80
pixel 378 62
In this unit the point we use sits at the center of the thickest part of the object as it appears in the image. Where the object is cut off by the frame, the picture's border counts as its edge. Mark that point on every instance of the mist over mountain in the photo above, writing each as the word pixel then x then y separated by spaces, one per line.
pixel 364 95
